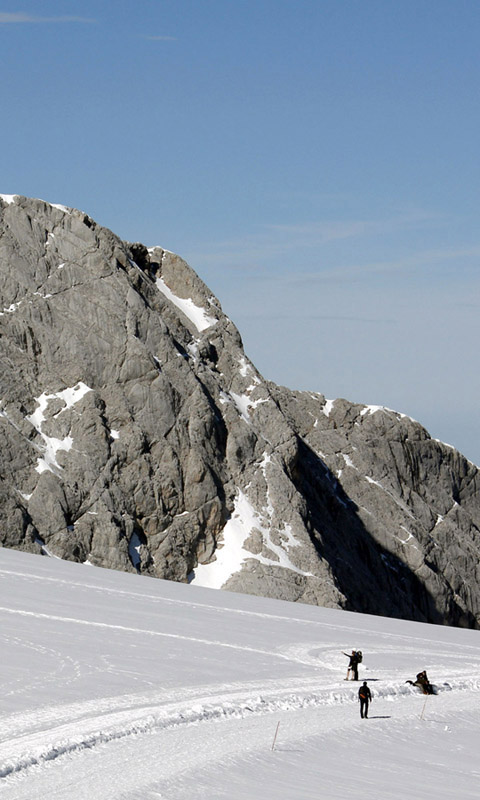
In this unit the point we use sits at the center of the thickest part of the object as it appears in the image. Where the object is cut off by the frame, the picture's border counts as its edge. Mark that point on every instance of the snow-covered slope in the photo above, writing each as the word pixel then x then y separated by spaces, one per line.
pixel 126 687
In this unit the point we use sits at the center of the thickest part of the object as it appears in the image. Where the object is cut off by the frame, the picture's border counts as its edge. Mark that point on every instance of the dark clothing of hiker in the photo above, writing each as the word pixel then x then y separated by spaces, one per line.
pixel 365 696
pixel 351 657
pixel 423 683
pixel 352 665
pixel 422 678
pixel 355 669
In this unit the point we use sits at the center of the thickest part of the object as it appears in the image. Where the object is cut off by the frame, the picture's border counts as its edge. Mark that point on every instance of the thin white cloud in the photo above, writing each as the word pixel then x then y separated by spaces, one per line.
pixel 458 265
pixel 416 263
pixel 20 17
pixel 272 240
pixel 318 317
pixel 322 231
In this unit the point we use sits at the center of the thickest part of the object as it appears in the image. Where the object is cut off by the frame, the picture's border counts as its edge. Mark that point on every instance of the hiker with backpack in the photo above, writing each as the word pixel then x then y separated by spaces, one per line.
pixel 356 658
pixel 365 697
pixel 423 683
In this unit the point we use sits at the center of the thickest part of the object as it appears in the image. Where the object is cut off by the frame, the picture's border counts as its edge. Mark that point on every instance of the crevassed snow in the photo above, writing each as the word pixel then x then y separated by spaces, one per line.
pixel 194 313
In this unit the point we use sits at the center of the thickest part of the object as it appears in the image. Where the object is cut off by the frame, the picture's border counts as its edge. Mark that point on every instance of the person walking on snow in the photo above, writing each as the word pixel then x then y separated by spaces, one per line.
pixel 365 697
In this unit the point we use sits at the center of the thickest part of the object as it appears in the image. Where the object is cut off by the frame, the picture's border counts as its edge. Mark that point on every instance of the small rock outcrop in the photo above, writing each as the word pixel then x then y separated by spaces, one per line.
pixel 135 434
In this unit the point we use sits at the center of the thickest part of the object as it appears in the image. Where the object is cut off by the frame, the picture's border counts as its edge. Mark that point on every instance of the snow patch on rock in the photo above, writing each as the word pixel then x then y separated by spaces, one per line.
pixel 327 408
pixel 197 315
pixel 53 445
pixel 9 198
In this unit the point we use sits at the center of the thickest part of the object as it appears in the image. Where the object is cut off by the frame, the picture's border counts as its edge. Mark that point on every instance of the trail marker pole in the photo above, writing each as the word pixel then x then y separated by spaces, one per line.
pixel 275 737
pixel 423 709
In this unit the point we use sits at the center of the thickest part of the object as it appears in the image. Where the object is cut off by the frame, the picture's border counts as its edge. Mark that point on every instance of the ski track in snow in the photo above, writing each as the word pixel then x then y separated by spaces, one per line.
pixel 352 628
pixel 23 743
pixel 63 663
pixel 34 738
pixel 84 716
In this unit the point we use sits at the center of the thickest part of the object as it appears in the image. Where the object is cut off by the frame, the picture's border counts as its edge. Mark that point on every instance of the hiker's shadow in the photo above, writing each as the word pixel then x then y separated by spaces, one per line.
pixel 379 716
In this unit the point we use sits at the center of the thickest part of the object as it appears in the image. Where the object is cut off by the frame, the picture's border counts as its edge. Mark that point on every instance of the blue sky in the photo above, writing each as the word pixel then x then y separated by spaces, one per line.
pixel 316 162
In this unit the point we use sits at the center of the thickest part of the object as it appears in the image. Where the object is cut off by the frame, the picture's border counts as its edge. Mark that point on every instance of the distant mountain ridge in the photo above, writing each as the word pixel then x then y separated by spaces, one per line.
pixel 136 434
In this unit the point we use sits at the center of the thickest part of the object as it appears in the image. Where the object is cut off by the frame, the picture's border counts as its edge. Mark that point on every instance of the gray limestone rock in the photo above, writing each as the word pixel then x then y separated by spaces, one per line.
pixel 135 434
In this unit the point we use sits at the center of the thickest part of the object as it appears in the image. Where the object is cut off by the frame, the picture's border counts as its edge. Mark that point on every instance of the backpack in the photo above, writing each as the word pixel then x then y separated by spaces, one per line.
pixel 363 692
pixel 359 657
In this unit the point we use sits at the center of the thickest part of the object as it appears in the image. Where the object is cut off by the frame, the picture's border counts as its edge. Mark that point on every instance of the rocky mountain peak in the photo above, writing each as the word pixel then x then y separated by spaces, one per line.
pixel 137 435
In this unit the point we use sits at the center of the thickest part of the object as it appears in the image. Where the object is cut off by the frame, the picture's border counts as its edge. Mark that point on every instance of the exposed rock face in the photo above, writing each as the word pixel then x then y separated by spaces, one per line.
pixel 135 434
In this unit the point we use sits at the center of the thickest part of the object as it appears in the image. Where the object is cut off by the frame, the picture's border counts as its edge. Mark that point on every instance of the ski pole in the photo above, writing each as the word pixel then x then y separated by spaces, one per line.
pixel 423 709
pixel 275 737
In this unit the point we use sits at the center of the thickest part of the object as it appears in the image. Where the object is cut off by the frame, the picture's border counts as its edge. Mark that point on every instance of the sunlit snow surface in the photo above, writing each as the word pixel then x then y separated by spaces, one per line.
pixel 119 686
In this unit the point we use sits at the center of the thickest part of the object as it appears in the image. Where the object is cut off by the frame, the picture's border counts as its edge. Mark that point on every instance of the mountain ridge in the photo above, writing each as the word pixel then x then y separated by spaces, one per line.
pixel 136 434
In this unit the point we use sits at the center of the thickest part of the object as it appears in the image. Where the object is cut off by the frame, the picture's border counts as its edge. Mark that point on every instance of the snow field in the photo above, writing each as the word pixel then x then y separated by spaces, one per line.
pixel 118 686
